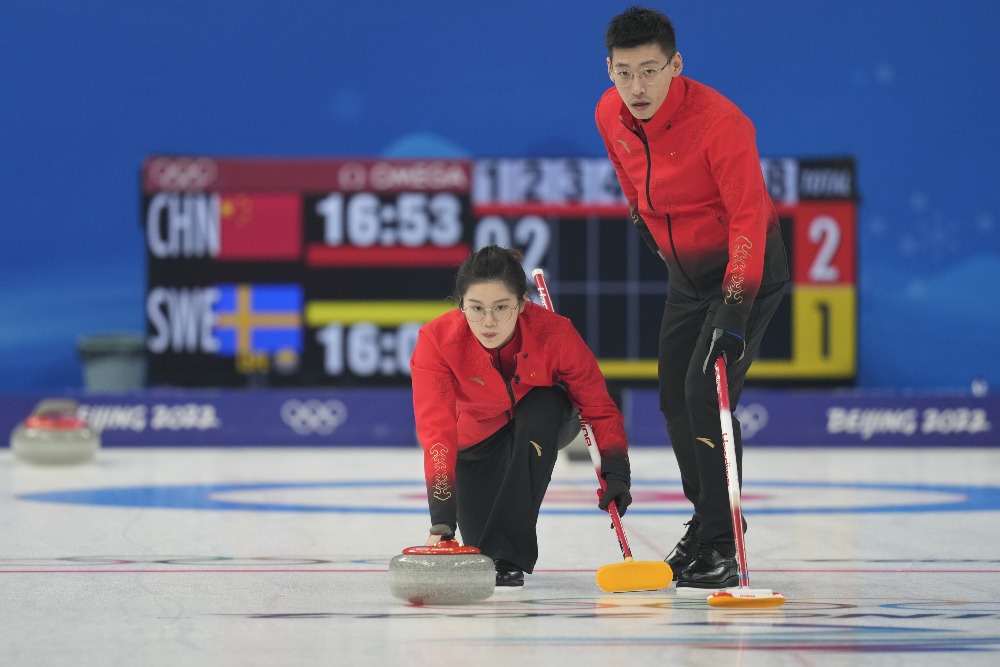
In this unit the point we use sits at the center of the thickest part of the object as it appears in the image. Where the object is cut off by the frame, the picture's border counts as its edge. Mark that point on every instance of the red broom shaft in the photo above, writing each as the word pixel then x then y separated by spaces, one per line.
pixel 616 519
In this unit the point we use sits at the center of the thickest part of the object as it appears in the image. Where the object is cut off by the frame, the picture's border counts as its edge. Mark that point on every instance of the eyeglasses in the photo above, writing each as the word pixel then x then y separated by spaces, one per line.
pixel 623 77
pixel 501 312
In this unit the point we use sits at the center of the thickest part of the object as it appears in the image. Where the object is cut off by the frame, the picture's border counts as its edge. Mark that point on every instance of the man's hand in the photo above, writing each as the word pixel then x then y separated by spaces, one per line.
pixel 616 488
pixel 724 342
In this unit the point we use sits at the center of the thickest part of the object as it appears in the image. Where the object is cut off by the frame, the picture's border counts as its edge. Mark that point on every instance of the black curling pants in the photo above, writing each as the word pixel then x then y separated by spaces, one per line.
pixel 501 481
pixel 690 404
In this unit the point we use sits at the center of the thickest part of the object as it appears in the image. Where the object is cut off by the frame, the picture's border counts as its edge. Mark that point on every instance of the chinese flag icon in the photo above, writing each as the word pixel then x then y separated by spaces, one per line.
pixel 260 227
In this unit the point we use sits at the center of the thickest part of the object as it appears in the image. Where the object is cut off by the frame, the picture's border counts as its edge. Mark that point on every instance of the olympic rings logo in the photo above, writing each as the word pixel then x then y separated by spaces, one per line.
pixel 353 176
pixel 752 418
pixel 182 174
pixel 313 416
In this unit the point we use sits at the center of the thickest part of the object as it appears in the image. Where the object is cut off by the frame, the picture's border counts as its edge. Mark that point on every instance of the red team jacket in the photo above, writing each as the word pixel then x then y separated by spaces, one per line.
pixel 693 180
pixel 460 398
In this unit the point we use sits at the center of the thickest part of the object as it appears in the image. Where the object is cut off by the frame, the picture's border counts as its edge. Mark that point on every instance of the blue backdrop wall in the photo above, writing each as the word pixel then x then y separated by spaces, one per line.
pixel 87 89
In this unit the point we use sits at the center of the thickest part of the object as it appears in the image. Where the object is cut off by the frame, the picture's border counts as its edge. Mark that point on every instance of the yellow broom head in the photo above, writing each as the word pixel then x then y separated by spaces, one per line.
pixel 630 575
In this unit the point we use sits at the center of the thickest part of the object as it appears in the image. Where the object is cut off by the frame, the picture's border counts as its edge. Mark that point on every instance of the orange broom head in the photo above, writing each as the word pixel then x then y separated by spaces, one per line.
pixel 634 576
pixel 746 598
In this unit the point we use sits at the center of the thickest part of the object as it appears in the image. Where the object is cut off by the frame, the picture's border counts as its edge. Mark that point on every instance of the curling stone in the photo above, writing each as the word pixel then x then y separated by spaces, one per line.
pixel 445 573
pixel 54 435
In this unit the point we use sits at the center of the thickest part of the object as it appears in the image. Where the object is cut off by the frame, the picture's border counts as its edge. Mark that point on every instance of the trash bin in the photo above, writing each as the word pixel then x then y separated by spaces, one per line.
pixel 113 362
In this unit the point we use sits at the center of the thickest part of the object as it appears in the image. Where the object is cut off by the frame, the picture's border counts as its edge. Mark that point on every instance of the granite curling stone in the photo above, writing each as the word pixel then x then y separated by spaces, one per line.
pixel 54 435
pixel 446 573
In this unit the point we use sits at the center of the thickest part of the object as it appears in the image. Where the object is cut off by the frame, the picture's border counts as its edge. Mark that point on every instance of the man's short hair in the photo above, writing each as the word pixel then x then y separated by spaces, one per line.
pixel 637 26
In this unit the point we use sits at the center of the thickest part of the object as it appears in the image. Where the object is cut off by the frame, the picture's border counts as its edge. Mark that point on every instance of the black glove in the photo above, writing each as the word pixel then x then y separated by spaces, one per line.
pixel 724 342
pixel 444 530
pixel 616 488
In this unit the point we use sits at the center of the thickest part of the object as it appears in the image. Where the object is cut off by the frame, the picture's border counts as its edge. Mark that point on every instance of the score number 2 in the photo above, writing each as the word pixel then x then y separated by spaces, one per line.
pixel 824 231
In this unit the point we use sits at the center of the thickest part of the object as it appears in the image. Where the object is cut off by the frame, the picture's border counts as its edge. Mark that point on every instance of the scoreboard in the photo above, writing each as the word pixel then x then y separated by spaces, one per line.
pixel 294 272
pixel 613 288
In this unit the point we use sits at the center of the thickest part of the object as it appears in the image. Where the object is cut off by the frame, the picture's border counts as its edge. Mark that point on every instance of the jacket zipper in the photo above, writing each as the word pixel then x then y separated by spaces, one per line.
pixel 506 382
pixel 641 133
pixel 510 390
pixel 673 249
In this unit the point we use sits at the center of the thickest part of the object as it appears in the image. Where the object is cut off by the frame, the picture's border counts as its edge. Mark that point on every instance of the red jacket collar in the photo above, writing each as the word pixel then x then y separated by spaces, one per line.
pixel 503 357
pixel 661 119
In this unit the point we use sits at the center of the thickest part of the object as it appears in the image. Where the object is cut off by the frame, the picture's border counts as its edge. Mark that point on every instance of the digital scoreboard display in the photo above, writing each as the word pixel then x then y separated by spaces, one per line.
pixel 294 272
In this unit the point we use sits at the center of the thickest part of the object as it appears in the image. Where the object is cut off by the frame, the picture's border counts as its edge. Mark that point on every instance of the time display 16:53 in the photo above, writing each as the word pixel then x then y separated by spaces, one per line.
pixel 364 349
pixel 409 219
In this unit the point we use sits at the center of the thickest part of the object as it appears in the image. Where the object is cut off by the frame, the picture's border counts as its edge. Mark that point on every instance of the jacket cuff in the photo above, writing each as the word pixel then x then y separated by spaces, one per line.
pixel 444 512
pixel 446 531
pixel 731 318
pixel 618 467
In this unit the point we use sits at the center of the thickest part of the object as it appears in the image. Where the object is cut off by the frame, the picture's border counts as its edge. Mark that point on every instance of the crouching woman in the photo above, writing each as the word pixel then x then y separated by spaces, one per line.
pixel 499 387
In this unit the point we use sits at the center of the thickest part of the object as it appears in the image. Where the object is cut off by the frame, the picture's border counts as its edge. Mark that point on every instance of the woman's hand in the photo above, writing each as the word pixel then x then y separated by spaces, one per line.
pixel 439 532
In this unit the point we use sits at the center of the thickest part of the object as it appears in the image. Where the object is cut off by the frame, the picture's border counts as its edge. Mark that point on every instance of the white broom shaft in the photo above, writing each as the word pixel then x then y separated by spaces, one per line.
pixel 732 472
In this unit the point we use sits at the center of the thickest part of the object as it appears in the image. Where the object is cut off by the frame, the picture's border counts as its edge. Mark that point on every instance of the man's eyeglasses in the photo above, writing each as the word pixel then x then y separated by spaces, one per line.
pixel 623 77
pixel 501 312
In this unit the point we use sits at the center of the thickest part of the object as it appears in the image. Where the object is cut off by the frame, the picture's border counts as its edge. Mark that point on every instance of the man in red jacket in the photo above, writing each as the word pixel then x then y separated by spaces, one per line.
pixel 499 386
pixel 687 162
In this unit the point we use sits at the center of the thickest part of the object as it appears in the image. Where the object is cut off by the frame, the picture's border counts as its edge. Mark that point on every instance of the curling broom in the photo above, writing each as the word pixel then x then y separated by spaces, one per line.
pixel 742 596
pixel 630 575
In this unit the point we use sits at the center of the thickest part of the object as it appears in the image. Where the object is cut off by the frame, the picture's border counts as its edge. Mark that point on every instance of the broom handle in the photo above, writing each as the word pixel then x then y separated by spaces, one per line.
pixel 732 476
pixel 616 519
pixel 588 433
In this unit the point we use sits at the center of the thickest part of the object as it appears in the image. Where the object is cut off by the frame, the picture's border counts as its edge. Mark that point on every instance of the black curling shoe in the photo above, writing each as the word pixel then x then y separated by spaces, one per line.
pixel 509 574
pixel 710 570
pixel 684 552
